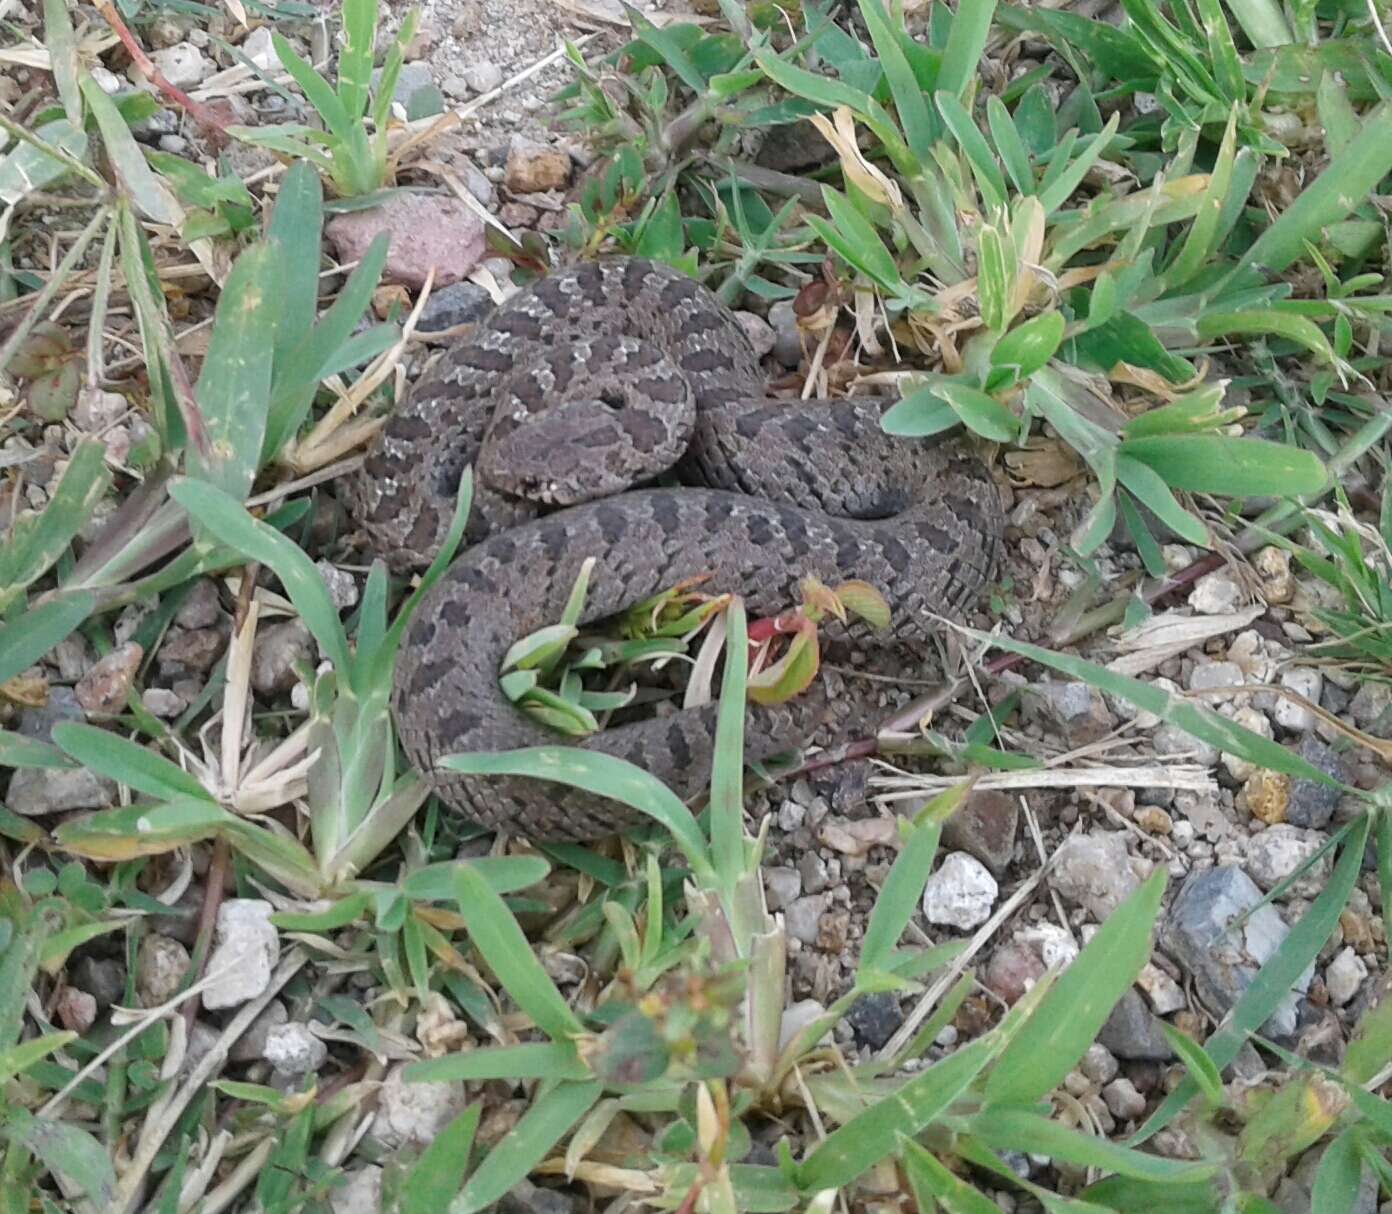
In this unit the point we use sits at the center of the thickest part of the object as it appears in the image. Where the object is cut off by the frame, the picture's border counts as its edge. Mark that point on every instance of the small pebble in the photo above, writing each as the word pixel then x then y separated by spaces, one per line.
pixel 293 1049
pixel 245 949
pixel 1344 975
pixel 1291 715
pixel 1125 1103
pixel 1216 593
pixel 961 893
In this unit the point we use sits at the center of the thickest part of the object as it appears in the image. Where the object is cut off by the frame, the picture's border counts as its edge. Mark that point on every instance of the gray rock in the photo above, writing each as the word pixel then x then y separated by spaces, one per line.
pixel 245 948
pixel 1216 593
pixel 985 827
pixel 1099 1064
pixel 1094 871
pixel 103 979
pixel 1195 933
pixel 342 585
pixel 1372 708
pixel 61 705
pixel 35 791
pixel 782 886
pixel 1311 803
pixel 1125 1103
pixel 162 702
pixel 278 649
pixel 250 1046
pixel 758 330
pixel 813 871
pixel 416 91
pixel 160 971
pixel 529 1198
pixel 1132 1032
pixel 460 303
pixel 201 606
pixel 804 916
pixel 482 76
pixel 787 341
pixel 1344 976
pixel 1171 740
pixel 1078 710
pixel 258 47
pixel 875 1018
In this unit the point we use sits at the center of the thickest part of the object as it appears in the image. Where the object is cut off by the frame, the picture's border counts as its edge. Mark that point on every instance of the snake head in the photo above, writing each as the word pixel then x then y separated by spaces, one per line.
pixel 583 450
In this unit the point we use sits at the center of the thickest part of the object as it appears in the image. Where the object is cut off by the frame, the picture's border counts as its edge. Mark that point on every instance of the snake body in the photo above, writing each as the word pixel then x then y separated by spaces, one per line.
pixel 589 384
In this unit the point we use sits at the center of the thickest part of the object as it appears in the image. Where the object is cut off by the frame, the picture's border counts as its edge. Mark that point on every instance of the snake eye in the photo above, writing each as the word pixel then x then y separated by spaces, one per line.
pixel 611 398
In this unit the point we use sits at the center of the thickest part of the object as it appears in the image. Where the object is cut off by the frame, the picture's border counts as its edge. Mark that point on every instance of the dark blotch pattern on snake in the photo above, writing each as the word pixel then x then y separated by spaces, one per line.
pixel 601 377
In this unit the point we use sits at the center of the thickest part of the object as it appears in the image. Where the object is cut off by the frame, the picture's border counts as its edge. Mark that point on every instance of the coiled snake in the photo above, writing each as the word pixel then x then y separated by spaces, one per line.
pixel 591 381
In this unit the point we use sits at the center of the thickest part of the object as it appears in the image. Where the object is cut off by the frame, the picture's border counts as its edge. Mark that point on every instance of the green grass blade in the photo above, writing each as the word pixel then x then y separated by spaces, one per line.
pixel 915 116
pixel 229 522
pixel 1231 467
pixel 1051 1041
pixel 727 770
pixel 966 43
pixel 540 1128
pixel 853 1148
pixel 126 762
pixel 61 43
pixel 932 1182
pixel 439 1172
pixel 605 776
pixel 1009 146
pixel 233 390
pixel 70 505
pixel 974 146
pixel 1343 186
pixel 25 640
pixel 548 1060
pixel 503 944
pixel 903 887
pixel 1061 188
pixel 355 59
pixel 1199 241
pixel 136 177
pixel 316 90
pixel 1014 1129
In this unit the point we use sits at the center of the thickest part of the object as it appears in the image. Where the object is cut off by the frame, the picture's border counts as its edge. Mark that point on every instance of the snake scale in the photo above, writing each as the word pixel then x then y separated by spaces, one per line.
pixel 575 393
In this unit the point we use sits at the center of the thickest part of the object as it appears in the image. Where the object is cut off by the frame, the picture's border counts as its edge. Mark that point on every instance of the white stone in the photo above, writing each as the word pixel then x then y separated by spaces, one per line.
pixel 361 1195
pixel 1290 715
pixel 245 947
pixel 342 585
pixel 796 1017
pixel 293 1049
pixel 259 48
pixel 412 1114
pixel 1216 593
pixel 961 893
pixel 1162 991
pixel 1344 976
pixel 182 64
pixel 108 81
pixel 1275 853
pixel 1212 677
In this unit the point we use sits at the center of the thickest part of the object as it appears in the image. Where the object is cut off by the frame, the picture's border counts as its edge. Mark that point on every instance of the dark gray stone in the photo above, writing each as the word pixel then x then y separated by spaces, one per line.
pixel 875 1018
pixel 985 828
pixel 1311 803
pixel 104 980
pixel 1196 935
pixel 460 303
pixel 1132 1032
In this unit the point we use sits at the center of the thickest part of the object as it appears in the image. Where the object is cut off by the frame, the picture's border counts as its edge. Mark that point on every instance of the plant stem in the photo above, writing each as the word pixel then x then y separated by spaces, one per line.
pixel 212 124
